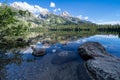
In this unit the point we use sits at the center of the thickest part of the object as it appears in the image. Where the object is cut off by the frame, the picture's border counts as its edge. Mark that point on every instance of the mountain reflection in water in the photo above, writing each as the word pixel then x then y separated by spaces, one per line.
pixel 24 66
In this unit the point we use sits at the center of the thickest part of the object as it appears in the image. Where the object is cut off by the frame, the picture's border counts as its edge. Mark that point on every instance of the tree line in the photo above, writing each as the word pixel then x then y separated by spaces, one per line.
pixel 9 24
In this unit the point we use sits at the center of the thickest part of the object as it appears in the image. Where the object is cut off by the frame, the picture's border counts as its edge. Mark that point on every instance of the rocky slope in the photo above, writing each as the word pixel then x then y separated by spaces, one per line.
pixel 46 18
pixel 63 18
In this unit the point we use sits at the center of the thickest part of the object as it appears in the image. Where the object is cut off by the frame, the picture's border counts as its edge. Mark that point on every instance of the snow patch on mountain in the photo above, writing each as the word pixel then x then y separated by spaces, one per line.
pixel 65 14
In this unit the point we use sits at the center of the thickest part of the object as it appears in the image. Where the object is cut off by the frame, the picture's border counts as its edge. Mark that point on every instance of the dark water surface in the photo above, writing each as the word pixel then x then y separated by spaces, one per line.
pixel 25 66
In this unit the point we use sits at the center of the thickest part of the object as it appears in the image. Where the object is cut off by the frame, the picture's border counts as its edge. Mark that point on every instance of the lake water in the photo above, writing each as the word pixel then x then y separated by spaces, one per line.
pixel 25 66
pixel 110 42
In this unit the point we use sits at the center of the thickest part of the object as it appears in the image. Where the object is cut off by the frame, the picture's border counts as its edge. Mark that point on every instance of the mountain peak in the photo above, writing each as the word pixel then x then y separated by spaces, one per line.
pixel 65 14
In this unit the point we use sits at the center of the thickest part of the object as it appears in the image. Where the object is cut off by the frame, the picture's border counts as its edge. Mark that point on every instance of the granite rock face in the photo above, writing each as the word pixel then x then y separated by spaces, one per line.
pixel 99 64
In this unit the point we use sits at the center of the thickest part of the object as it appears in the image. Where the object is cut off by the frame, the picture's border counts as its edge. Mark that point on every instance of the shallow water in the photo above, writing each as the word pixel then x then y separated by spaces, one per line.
pixel 25 66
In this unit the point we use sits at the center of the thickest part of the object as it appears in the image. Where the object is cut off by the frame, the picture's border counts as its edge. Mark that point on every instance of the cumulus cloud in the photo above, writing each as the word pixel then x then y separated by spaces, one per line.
pixel 56 10
pixel 0 4
pixel 86 18
pixel 31 8
pixel 52 4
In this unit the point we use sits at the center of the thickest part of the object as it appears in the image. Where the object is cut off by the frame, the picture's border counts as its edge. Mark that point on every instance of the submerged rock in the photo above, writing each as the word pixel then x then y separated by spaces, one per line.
pixel 64 57
pixel 43 69
pixel 99 64
pixel 38 51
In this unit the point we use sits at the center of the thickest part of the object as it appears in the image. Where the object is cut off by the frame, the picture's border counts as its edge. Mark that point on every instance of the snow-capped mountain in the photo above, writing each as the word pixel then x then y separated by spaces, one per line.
pixel 44 16
pixel 65 14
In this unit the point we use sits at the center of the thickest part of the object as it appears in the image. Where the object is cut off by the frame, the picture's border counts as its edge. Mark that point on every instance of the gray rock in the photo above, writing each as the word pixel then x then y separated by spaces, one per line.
pixel 99 64
pixel 38 51
pixel 92 49
pixel 104 68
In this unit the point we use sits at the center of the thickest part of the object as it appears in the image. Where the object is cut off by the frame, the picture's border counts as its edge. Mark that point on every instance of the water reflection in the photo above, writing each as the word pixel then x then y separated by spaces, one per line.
pixel 22 64
pixel 110 42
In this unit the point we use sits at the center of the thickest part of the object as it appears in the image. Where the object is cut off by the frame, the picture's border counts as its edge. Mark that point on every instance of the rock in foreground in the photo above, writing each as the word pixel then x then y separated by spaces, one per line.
pixel 99 64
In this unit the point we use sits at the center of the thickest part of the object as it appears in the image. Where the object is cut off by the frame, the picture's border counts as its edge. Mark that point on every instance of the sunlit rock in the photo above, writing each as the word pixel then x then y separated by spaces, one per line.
pixel 38 51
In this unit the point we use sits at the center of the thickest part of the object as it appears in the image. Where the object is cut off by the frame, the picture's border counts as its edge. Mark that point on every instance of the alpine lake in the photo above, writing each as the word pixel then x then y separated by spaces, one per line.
pixel 20 64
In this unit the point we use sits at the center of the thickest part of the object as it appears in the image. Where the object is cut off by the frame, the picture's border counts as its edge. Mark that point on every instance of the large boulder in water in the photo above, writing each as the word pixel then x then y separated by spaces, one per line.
pixel 90 50
pixel 99 64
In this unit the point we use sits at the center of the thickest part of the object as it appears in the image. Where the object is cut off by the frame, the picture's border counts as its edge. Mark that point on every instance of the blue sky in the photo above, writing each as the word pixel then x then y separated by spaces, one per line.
pixel 99 11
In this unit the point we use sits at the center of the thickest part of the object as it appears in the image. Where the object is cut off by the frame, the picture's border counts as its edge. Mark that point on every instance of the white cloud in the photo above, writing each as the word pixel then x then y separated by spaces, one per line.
pixel 31 8
pixel 105 36
pixel 109 22
pixel 56 10
pixel 86 18
pixel 80 17
pixel 52 4
pixel 0 4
